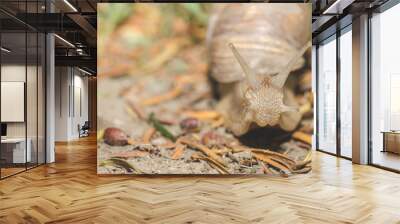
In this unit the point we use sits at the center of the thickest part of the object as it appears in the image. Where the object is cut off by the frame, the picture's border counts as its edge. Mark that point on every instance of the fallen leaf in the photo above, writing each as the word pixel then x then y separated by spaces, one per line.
pixel 148 135
pixel 304 137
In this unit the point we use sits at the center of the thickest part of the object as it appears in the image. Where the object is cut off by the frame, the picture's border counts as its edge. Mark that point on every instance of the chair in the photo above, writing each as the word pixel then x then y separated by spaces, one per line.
pixel 84 130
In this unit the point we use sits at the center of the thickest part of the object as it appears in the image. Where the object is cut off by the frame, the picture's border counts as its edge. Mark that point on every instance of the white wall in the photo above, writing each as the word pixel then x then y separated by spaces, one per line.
pixel 79 111
pixel 14 73
pixel 62 81
pixel 10 73
pixel 70 83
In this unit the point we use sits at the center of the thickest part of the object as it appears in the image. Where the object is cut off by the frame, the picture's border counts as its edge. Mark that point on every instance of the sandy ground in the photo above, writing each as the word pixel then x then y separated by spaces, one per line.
pixel 114 111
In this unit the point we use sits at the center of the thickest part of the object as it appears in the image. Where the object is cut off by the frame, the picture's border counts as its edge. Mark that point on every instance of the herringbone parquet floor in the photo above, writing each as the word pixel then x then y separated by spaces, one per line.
pixel 69 191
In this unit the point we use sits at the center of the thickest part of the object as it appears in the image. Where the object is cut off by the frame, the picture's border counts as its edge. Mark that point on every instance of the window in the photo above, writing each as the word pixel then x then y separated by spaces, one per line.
pixel 22 77
pixel 327 96
pixel 346 93
pixel 385 89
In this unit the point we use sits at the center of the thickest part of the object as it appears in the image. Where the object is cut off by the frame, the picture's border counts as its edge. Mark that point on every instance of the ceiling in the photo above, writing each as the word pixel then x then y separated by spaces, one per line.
pixel 76 22
pixel 332 15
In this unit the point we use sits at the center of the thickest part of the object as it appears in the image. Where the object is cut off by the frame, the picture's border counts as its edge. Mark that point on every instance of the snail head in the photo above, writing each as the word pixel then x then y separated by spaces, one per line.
pixel 263 94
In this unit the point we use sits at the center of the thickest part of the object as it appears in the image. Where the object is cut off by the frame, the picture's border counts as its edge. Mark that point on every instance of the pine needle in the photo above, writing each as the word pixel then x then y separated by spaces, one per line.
pixel 121 163
pixel 160 128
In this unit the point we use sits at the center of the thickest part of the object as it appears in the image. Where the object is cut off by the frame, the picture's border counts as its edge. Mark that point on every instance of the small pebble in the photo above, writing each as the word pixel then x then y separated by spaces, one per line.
pixel 212 138
pixel 115 137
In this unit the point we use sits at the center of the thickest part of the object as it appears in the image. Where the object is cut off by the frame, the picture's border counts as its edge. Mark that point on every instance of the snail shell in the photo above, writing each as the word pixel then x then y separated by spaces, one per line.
pixel 265 34
pixel 253 47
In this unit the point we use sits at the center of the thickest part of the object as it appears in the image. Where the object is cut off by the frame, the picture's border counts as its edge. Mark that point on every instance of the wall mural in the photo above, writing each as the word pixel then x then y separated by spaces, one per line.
pixel 204 88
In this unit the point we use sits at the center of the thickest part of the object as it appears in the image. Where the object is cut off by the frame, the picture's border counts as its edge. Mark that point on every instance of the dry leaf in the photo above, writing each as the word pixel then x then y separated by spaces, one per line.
pixel 304 137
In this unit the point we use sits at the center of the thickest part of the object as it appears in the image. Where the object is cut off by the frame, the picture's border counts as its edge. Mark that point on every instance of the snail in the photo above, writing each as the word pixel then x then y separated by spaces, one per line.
pixel 253 47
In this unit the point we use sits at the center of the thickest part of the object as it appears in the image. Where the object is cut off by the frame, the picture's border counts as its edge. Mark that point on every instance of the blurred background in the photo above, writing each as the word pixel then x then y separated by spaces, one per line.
pixel 141 38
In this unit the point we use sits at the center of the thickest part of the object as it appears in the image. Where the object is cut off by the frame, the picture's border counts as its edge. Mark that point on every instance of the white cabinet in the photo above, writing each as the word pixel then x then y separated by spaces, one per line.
pixel 17 148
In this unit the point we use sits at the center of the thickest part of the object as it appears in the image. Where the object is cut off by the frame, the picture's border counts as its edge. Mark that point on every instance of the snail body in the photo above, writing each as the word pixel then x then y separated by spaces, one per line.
pixel 253 47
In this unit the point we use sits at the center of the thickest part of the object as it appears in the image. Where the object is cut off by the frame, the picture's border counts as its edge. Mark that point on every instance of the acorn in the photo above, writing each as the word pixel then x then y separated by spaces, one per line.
pixel 115 137
pixel 190 124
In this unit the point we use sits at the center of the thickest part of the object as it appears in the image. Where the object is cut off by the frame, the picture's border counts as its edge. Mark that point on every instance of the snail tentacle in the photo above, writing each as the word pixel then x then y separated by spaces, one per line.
pixel 250 73
pixel 280 79
pixel 285 108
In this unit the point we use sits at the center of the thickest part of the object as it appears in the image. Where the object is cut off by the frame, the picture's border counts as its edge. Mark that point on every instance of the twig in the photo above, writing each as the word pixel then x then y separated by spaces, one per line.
pixel 203 115
pixel 272 163
pixel 303 170
pixel 168 51
pixel 178 152
pixel 148 135
pixel 130 154
pixel 198 98
pixel 265 168
pixel 263 151
pixel 279 156
pixel 166 121
pixel 203 149
pixel 175 92
pixel 222 151
pixel 139 113
pixel 120 163
pixel 216 165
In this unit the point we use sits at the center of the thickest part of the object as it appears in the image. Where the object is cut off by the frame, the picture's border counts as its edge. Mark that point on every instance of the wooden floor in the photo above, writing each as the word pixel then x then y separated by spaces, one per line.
pixel 386 159
pixel 5 172
pixel 69 191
